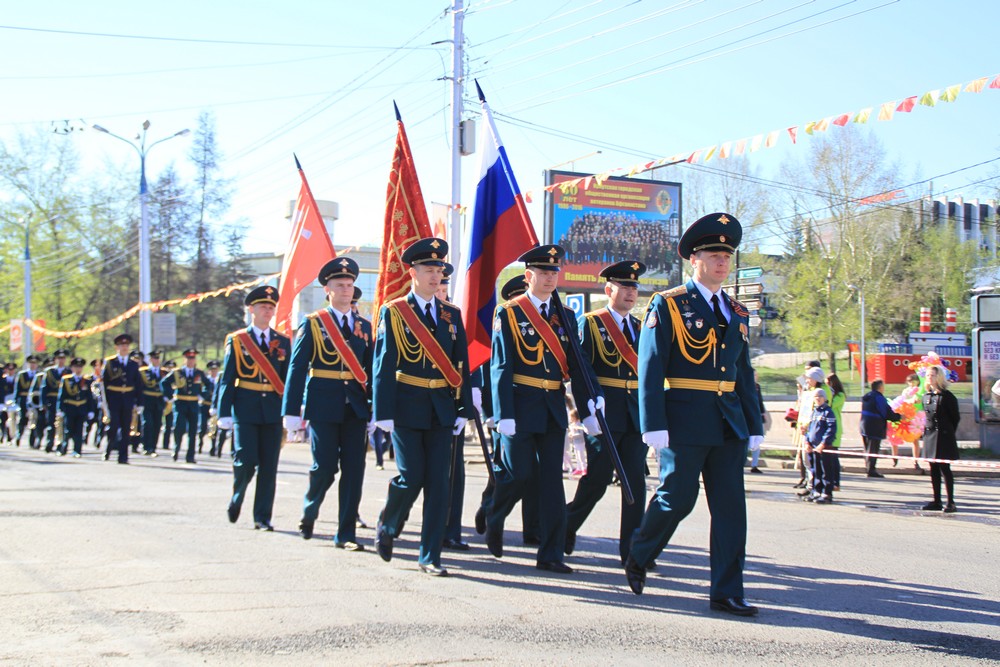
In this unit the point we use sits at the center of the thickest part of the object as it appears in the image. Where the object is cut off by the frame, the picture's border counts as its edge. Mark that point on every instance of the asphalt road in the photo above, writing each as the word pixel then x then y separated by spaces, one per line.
pixel 102 564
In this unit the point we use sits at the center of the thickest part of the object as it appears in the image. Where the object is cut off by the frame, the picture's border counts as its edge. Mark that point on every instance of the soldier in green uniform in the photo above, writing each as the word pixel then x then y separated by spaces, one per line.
pixel 153 403
pixel 169 366
pixel 530 362
pixel 422 396
pixel 250 393
pixel 328 386
pixel 123 391
pixel 135 428
pixel 610 342
pixel 698 409
pixel 185 388
pixel 27 399
pixel 47 385
pixel 75 405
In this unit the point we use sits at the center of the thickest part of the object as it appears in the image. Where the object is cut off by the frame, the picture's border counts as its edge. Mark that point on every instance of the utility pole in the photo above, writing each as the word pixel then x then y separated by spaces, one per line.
pixel 27 335
pixel 457 110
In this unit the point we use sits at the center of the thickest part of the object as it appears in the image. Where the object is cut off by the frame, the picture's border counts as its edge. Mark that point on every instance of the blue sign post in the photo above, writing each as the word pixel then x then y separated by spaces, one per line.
pixel 575 303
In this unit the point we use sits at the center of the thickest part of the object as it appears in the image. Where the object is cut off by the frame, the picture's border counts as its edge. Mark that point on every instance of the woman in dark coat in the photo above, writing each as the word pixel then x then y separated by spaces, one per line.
pixel 941 407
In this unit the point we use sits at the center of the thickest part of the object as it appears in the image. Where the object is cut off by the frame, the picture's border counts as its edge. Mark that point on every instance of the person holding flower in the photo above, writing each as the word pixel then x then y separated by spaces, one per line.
pixel 940 442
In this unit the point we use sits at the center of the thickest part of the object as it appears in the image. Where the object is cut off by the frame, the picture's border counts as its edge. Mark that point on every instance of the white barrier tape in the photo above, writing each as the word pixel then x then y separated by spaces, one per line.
pixel 863 454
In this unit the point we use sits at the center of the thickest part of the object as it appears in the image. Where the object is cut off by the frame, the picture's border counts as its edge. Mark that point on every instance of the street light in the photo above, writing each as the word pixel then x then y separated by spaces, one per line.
pixel 861 299
pixel 145 316
pixel 27 334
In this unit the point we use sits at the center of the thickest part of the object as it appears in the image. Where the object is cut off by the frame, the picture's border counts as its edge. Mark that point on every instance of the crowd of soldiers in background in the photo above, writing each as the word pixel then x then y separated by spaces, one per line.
pixel 36 405
pixel 606 238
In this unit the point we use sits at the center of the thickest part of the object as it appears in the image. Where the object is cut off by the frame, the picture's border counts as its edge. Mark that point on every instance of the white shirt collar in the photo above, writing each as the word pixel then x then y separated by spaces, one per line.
pixel 618 318
pixel 538 302
pixel 707 293
pixel 339 316
pixel 422 304
pixel 257 332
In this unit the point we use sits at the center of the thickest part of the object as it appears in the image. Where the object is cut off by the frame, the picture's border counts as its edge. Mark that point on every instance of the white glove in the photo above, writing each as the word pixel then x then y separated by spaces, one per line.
pixel 477 399
pixel 506 427
pixel 292 423
pixel 489 422
pixel 755 442
pixel 386 425
pixel 211 412
pixel 590 423
pixel 594 407
pixel 657 439
pixel 225 423
pixel 90 415
pixel 459 425
pixel 60 413
pixel 371 427
pixel 138 410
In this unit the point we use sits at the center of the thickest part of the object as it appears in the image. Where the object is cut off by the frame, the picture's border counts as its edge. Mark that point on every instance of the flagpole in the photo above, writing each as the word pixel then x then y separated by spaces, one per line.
pixel 457 81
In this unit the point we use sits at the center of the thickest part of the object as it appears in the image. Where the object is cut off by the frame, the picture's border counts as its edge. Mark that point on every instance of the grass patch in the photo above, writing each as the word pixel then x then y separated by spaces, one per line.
pixel 780 454
pixel 979 453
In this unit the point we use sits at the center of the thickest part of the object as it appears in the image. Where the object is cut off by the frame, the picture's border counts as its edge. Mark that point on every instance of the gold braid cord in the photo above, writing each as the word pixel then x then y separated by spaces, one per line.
pixel 243 370
pixel 686 341
pixel 405 350
pixel 326 355
pixel 521 344
pixel 72 390
pixel 609 355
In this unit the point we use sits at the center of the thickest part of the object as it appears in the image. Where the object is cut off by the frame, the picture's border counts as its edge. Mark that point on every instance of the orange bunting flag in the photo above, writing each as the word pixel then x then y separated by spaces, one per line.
pixel 995 83
pixel 929 99
pixel 772 139
pixel 950 93
pixel 793 133
pixel 309 248
pixel 842 119
pixel 863 115
pixel 976 86
pixel 405 222
pixel 756 142
pixel 886 110
pixel 906 106
pixel 724 150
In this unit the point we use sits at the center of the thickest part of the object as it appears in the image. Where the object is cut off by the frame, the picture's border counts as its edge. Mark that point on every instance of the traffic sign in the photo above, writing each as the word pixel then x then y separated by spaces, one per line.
pixel 575 303
pixel 749 273
pixel 755 321
pixel 753 305
pixel 751 288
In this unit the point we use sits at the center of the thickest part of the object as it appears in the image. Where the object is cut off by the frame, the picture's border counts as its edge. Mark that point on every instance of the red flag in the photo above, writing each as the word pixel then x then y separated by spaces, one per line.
pixel 309 248
pixel 405 222
pixel 907 105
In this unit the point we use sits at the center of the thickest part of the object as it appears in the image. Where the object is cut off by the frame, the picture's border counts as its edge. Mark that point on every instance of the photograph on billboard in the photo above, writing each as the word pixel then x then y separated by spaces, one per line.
pixel 618 219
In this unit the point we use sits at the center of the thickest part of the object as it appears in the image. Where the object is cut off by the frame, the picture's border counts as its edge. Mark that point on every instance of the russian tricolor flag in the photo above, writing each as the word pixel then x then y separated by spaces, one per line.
pixel 501 231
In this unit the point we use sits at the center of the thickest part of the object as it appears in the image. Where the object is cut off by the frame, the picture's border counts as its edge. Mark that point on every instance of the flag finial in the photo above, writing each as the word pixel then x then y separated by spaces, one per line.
pixel 394 106
pixel 297 164
pixel 479 91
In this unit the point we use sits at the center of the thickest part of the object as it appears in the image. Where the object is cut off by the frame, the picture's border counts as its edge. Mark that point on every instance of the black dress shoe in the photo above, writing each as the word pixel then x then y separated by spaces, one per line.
pixel 876 474
pixel 433 570
pixel 306 528
pixel 494 541
pixel 233 512
pixel 383 541
pixel 480 521
pixel 531 540
pixel 636 575
pixel 735 606
pixel 455 545
pixel 349 546
pixel 554 566
pixel 570 543
pixel 263 525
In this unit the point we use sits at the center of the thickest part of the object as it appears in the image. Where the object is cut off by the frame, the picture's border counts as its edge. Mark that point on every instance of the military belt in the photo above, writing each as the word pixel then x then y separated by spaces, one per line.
pixel 152 393
pixel 719 386
pixel 538 383
pixel 183 397
pixel 426 383
pixel 72 402
pixel 617 383
pixel 121 390
pixel 334 375
pixel 252 386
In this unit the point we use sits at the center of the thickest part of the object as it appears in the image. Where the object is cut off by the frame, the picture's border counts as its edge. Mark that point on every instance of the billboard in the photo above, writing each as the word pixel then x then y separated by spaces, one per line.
pixel 619 219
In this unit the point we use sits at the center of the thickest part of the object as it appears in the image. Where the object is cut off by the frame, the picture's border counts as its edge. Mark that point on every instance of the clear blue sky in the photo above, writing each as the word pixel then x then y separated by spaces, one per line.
pixel 656 77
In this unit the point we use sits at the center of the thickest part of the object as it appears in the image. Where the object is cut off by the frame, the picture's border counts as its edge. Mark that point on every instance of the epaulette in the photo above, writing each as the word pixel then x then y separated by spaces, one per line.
pixel 674 291
pixel 144 368
pixel 506 304
pixel 593 313
pixel 449 303
pixel 739 308
pixel 113 356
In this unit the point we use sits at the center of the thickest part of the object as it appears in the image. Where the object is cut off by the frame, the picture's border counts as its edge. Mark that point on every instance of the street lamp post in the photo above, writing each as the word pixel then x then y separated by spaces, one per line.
pixel 145 316
pixel 861 300
pixel 27 334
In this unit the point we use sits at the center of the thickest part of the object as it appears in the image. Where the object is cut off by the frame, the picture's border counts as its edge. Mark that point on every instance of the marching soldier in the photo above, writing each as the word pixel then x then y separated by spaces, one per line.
pixel 529 364
pixel 135 428
pixel 97 390
pixel 250 393
pixel 610 343
pixel 422 397
pixel 169 366
pixel 208 412
pixel 329 371
pixel 185 388
pixel 75 404
pixel 219 435
pixel 47 386
pixel 153 403
pixel 123 389
pixel 27 399
pixel 10 401
pixel 698 410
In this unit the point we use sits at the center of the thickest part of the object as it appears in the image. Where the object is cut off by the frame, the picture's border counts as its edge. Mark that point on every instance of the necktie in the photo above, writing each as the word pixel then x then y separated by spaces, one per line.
pixel 263 341
pixel 545 311
pixel 427 314
pixel 344 328
pixel 627 331
pixel 723 322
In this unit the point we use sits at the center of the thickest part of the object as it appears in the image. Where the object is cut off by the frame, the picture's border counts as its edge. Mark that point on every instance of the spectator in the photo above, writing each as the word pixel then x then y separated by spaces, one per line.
pixel 811 380
pixel 913 388
pixel 819 441
pixel 875 412
pixel 942 411
pixel 837 398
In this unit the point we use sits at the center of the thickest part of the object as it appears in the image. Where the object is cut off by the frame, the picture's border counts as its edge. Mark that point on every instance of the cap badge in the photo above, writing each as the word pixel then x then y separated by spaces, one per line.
pixel 723 219
pixel 553 251
pixel 635 266
pixel 344 262
pixel 435 244
pixel 269 291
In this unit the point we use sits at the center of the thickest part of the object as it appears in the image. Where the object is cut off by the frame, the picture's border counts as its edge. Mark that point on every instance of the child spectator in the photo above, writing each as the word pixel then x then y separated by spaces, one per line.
pixel 819 441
